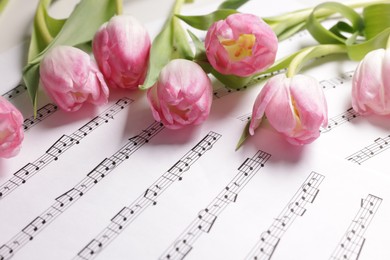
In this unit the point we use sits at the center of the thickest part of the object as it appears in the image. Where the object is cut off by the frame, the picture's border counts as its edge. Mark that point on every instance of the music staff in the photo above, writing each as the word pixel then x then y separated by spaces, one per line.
pixel 340 119
pixel 351 244
pixel 379 145
pixel 16 91
pixel 64 143
pixel 42 113
pixel 245 118
pixel 270 238
pixel 206 218
pixel 68 198
pixel 337 81
pixel 129 213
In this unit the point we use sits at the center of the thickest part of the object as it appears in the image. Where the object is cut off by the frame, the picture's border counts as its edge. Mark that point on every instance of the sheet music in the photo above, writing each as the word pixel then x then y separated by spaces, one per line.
pixel 110 182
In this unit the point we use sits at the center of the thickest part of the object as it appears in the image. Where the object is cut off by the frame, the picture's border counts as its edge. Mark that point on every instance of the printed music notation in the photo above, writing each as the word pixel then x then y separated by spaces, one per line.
pixel 64 143
pixel 379 145
pixel 42 114
pixel 207 217
pixel 340 119
pixel 270 238
pixel 245 118
pixel 67 199
pixel 221 91
pixel 352 242
pixel 129 213
pixel 337 81
pixel 16 91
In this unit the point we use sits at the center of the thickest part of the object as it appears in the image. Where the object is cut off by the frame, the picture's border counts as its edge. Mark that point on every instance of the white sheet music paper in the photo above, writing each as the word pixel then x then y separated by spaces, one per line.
pixel 111 183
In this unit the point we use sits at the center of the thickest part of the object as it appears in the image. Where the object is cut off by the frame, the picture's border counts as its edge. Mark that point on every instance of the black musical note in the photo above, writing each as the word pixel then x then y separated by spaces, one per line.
pixel 379 145
pixel 42 113
pixel 19 89
pixel 351 243
pixel 65 200
pixel 269 239
pixel 149 197
pixel 207 217
pixel 339 120
pixel 64 143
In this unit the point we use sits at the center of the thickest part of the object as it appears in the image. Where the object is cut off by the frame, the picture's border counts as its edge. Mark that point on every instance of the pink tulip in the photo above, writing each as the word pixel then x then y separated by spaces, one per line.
pixel 295 107
pixel 70 78
pixel 182 95
pixel 11 129
pixel 371 84
pixel 121 48
pixel 241 45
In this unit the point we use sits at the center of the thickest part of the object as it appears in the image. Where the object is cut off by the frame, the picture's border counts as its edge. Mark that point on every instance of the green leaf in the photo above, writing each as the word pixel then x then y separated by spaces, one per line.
pixel 232 4
pixel 232 81
pixel 326 36
pixel 3 4
pixel 200 51
pixel 45 29
pixel 376 19
pixel 203 22
pixel 244 136
pixel 170 43
pixel 48 32
pixel 358 51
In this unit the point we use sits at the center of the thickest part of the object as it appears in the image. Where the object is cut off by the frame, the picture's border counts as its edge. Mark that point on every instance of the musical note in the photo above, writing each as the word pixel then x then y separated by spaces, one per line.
pixel 269 239
pixel 207 217
pixel 379 145
pixel 65 200
pixel 351 243
pixel 19 89
pixel 245 118
pixel 129 213
pixel 206 220
pixel 339 120
pixel 337 81
pixel 42 113
pixel 64 143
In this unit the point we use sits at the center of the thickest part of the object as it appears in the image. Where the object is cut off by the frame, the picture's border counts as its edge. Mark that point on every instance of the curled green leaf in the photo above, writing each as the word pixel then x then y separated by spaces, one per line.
pixel 326 36
pixel 232 4
pixel 376 19
pixel 358 51
pixel 203 22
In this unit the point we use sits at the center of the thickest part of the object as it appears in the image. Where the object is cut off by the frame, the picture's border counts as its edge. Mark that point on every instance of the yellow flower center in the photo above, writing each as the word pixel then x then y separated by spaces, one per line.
pixel 4 134
pixel 78 96
pixel 240 48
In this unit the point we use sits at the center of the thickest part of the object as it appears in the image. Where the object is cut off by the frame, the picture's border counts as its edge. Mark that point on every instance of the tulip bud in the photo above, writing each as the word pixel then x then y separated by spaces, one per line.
pixel 70 78
pixel 11 129
pixel 295 107
pixel 371 84
pixel 241 45
pixel 121 48
pixel 182 95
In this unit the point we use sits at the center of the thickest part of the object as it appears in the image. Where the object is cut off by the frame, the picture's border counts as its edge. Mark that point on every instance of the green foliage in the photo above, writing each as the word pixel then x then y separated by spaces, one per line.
pixel 49 32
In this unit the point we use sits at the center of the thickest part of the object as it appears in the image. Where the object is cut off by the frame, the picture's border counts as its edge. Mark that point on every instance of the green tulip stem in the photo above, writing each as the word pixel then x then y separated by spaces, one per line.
pixel 119 7
pixel 388 43
pixel 309 53
pixel 40 22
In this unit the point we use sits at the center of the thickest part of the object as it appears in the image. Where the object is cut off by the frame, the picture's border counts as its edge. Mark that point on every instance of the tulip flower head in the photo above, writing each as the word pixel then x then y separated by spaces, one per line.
pixel 11 129
pixel 182 95
pixel 121 48
pixel 241 45
pixel 295 107
pixel 371 84
pixel 70 78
